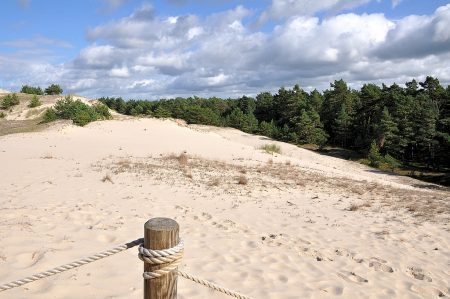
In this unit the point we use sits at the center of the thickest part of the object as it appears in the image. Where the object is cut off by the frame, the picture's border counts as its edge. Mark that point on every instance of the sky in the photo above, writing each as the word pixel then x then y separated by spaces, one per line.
pixel 228 48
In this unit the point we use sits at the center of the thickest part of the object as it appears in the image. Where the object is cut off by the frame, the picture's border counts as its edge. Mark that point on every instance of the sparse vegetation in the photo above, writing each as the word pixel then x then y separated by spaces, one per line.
pixel 77 111
pixel 215 182
pixel 107 178
pixel 271 148
pixel 48 156
pixel 182 158
pixel 355 207
pixel 9 101
pixel 34 102
pixel 2 114
pixel 242 180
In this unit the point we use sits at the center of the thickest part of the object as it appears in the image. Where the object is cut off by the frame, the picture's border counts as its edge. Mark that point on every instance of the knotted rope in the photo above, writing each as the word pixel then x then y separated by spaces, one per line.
pixel 170 258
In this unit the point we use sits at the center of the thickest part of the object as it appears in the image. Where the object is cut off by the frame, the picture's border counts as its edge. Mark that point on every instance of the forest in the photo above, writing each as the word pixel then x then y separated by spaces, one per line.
pixel 398 125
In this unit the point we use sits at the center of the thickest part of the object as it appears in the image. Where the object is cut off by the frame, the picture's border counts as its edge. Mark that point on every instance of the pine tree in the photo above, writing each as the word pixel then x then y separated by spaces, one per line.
pixel 268 129
pixel 374 155
pixel 387 132
pixel 341 126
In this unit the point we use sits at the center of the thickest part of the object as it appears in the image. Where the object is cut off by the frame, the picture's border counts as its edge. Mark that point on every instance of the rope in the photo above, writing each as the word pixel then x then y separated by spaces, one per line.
pixel 171 258
pixel 212 285
pixel 66 267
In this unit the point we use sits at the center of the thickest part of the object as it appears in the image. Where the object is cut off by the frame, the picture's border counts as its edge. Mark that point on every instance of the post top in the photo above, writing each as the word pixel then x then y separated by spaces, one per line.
pixel 161 224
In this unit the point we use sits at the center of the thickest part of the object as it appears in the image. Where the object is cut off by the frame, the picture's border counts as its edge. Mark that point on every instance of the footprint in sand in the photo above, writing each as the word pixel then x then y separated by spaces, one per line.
pixel 380 265
pixel 351 277
pixel 427 292
pixel 418 273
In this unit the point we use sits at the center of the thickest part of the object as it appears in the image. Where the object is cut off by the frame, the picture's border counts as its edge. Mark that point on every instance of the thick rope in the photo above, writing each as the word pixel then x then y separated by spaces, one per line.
pixel 212 285
pixel 171 258
pixel 66 267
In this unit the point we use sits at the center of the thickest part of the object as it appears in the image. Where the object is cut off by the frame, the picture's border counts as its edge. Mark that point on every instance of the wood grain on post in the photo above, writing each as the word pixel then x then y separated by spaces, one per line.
pixel 160 233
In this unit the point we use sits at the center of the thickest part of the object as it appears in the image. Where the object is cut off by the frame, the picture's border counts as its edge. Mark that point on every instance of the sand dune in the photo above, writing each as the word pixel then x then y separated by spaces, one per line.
pixel 303 226
pixel 23 112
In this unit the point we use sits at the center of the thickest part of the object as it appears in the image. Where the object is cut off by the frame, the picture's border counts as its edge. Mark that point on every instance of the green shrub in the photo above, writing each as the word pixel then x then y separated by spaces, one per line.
pixel 53 89
pixel 9 101
pixel 80 113
pixel 2 115
pixel 391 162
pixel 83 117
pixel 102 110
pixel 49 115
pixel 31 90
pixel 374 155
pixel 35 102
pixel 271 148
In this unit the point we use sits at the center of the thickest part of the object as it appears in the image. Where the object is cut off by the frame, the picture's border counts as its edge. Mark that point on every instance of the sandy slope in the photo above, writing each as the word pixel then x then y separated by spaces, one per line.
pixel 305 225
pixel 23 112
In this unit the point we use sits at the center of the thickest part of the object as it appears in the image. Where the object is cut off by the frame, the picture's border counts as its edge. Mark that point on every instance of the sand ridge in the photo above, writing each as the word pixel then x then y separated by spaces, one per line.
pixel 302 226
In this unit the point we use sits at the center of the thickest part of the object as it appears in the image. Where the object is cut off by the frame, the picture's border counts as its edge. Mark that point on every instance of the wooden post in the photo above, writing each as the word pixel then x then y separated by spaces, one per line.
pixel 160 233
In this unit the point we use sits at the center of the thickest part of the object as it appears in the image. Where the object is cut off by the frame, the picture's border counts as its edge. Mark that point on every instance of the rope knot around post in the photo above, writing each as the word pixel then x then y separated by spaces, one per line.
pixel 169 258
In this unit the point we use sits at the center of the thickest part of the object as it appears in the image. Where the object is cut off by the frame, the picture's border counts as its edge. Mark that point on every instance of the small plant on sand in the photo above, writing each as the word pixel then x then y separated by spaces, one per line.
pixel 9 101
pixel 34 102
pixel 355 207
pixel 271 148
pixel 242 180
pixel 215 182
pixel 107 178
pixel 2 115
pixel 48 156
pixel 182 158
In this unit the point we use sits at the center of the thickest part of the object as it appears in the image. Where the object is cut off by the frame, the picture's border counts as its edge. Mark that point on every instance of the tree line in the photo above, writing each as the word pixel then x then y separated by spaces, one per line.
pixel 53 89
pixel 409 124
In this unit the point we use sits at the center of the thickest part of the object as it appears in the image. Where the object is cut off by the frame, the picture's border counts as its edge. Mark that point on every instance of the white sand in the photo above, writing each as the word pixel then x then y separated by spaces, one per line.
pixel 288 233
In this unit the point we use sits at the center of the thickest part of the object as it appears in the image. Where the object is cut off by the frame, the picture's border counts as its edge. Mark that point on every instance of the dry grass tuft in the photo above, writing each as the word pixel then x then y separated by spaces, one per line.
pixel 182 158
pixel 215 182
pixel 242 180
pixel 48 156
pixel 107 178
pixel 188 174
pixel 271 148
pixel 355 207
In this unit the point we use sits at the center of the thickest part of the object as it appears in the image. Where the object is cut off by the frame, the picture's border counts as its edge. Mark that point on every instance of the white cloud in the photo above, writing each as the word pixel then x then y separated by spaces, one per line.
pixel 147 56
pixel 281 9
pixel 121 72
